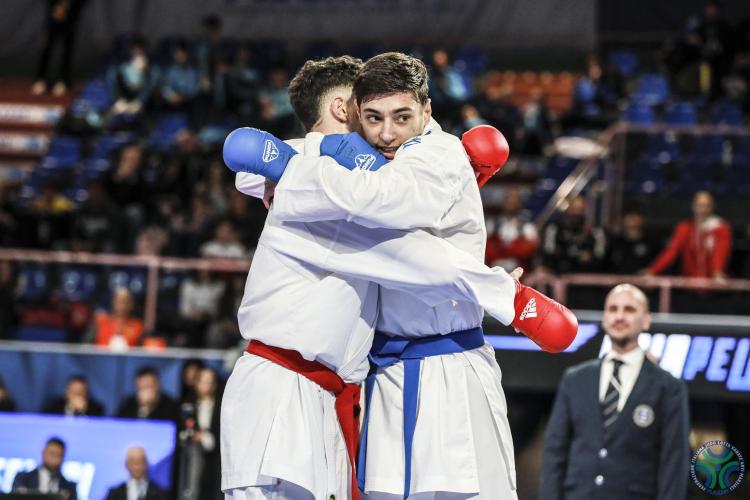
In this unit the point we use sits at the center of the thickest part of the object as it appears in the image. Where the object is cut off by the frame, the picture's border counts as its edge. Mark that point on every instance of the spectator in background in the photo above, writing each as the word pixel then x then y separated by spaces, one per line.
pixel 216 186
pixel 205 462
pixel 743 254
pixel 225 244
pixel 571 245
pixel 151 241
pixel 495 105
pixel 47 478
pixel 52 214
pixel 248 215
pixel 126 187
pixel 138 486
pixel 716 38
pixel 513 240
pixel 199 304
pixel 62 19
pixel 8 299
pixel 77 401
pixel 119 329
pixel 195 230
pixel 208 51
pixel 6 402
pixel 633 249
pixel 238 87
pixel 224 332
pixel 180 83
pixel 132 82
pixel 448 87
pixel 149 402
pixel 10 218
pixel 703 243
pixel 537 124
pixel 275 107
pixel 188 378
pixel 98 224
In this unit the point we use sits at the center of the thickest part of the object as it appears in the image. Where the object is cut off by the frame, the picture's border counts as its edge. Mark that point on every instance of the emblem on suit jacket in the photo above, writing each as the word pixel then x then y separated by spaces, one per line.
pixel 717 467
pixel 643 416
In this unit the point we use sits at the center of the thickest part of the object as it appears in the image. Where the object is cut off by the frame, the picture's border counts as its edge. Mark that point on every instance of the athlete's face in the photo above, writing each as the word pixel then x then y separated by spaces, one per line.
pixel 389 121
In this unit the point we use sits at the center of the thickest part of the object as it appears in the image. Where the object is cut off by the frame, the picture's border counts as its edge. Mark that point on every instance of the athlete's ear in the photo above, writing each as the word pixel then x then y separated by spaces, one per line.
pixel 427 111
pixel 338 109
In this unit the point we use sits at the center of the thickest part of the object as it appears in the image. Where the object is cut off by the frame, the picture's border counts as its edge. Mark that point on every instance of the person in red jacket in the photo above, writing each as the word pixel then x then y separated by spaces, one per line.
pixel 704 243
pixel 511 239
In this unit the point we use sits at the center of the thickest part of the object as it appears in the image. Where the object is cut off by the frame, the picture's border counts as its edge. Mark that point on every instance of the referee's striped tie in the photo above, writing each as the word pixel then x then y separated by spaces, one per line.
pixel 611 397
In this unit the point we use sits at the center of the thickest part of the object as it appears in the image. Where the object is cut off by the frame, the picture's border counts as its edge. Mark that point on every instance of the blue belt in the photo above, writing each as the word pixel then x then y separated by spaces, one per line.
pixel 389 350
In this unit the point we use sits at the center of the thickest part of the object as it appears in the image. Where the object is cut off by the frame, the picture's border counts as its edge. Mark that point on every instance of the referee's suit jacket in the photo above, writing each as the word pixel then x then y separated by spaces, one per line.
pixel 646 461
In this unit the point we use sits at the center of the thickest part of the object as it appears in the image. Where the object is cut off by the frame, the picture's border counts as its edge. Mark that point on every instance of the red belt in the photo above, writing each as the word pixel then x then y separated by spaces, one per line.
pixel 347 395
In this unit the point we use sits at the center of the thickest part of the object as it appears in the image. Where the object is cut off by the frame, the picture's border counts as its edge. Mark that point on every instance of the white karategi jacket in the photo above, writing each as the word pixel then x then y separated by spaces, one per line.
pixel 312 288
pixel 429 184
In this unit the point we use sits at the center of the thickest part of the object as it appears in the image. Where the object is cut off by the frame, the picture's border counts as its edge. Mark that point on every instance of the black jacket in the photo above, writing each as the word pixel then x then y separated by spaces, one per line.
pixel 646 456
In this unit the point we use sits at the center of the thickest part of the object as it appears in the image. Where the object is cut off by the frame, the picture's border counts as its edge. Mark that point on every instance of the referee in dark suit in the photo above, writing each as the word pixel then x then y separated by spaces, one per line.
pixel 619 425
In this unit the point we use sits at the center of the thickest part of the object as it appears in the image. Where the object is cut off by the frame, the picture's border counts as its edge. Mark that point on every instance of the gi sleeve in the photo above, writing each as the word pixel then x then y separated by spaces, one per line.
pixel 415 190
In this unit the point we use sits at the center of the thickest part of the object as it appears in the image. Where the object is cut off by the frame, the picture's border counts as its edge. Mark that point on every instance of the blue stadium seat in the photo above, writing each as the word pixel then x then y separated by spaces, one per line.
pixel 585 91
pixel 638 114
pixel 726 113
pixel 651 89
pixel 33 282
pixel 472 58
pixel 707 149
pixel 132 278
pixel 41 334
pixel 625 62
pixel 166 130
pixel 662 148
pixel 681 113
pixel 169 290
pixel 77 284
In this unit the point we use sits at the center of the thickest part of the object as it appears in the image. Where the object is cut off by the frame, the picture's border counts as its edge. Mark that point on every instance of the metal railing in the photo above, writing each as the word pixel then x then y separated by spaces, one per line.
pixel 556 286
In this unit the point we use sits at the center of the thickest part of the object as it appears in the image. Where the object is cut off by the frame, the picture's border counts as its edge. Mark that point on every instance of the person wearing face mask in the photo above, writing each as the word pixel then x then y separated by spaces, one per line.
pixel 619 425
pixel 570 245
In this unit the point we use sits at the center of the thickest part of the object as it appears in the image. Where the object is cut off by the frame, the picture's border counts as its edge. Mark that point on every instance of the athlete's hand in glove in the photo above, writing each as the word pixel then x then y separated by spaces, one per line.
pixel 487 149
pixel 251 150
pixel 551 325
pixel 351 151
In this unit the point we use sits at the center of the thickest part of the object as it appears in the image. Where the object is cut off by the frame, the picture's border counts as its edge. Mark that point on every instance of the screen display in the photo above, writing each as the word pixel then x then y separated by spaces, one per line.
pixel 95 449
pixel 711 355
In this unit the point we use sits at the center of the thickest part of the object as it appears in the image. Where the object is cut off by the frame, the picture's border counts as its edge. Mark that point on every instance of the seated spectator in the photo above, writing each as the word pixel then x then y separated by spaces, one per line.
pixel 226 243
pixel 495 104
pixel 77 401
pixel 98 222
pixel 208 51
pixel 448 88
pixel 47 478
pixel 248 215
pixel 8 299
pixel 205 465
pixel 513 240
pixel 148 402
pixel 570 245
pixel 199 304
pixel 6 402
pixel 632 249
pixel 133 81
pixel 276 110
pixel 238 87
pixel 191 368
pixel 120 328
pixel 51 213
pixel 138 486
pixel 151 241
pixel 180 83
pixel 704 243
pixel 224 332
pixel 537 124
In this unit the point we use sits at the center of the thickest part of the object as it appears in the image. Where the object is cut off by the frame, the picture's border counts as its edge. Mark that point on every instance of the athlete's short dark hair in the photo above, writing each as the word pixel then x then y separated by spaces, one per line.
pixel 314 80
pixel 391 73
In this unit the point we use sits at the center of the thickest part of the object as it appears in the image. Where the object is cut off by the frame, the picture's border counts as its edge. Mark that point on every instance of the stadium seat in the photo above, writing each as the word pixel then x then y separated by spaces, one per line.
pixel 166 130
pixel 625 62
pixel 41 334
pixel 662 148
pixel 33 283
pixel 726 113
pixel 639 114
pixel 651 89
pixel 681 113
pixel 77 284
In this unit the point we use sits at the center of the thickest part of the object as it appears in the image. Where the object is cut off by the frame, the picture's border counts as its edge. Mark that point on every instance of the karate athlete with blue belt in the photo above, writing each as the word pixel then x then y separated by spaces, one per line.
pixel 437 417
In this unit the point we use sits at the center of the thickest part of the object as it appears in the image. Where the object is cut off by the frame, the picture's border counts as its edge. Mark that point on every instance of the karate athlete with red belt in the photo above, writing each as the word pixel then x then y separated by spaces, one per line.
pixel 434 367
